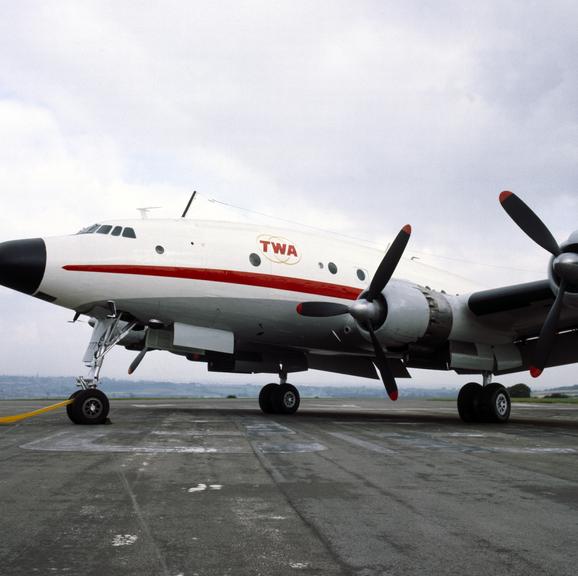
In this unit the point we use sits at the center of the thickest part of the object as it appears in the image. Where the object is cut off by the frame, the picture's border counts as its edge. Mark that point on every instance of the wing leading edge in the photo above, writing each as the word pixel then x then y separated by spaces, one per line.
pixel 521 308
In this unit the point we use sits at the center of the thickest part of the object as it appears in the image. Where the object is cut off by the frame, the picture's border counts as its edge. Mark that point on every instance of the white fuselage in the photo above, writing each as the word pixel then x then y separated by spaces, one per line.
pixel 242 278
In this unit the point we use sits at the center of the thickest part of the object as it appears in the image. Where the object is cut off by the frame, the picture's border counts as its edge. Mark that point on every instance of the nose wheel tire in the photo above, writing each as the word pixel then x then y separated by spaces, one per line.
pixel 69 411
pixel 89 407
pixel 279 399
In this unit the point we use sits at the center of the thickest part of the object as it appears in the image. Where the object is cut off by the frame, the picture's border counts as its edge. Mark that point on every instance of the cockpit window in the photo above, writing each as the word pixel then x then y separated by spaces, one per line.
pixel 106 229
pixel 89 229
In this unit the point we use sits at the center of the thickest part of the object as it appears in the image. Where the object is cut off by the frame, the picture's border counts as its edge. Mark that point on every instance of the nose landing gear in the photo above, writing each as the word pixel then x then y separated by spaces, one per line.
pixel 91 405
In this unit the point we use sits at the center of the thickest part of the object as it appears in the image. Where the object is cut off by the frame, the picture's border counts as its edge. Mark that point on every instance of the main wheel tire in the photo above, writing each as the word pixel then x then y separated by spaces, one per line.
pixel 286 399
pixel 89 407
pixel 469 400
pixel 69 410
pixel 266 398
pixel 495 403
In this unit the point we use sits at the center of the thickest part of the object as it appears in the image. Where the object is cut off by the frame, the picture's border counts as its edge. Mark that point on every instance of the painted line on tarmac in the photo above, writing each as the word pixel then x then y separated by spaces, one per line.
pixel 107 441
pixel 258 428
pixel 387 409
pixel 154 405
pixel 101 441
pixel 362 443
pixel 288 447
pixel 334 406
pixel 425 442
pixel 530 450
pixel 542 406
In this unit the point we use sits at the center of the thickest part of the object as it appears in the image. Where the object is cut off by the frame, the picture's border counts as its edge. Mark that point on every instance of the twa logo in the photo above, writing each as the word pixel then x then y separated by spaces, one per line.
pixel 279 249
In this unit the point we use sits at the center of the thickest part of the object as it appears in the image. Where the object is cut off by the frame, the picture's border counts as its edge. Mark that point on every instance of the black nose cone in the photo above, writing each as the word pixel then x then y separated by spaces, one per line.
pixel 22 264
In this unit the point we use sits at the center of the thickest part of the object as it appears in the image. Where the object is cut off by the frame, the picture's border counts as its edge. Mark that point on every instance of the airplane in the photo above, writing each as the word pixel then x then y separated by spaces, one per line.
pixel 246 298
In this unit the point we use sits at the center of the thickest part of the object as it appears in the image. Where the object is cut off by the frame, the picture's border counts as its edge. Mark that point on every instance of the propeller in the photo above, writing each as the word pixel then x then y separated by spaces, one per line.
pixel 136 362
pixel 564 266
pixel 370 310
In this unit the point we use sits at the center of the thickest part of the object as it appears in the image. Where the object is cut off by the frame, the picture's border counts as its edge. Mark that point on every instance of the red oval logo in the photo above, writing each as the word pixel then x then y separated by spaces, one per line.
pixel 278 249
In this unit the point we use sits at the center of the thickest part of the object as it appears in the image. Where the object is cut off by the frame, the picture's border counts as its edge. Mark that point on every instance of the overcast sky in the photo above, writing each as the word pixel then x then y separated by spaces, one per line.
pixel 355 116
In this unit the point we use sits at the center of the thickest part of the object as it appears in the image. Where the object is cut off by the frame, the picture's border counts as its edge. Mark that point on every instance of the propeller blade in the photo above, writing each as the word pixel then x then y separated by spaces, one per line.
pixel 527 220
pixel 389 263
pixel 135 363
pixel 547 334
pixel 321 309
pixel 383 366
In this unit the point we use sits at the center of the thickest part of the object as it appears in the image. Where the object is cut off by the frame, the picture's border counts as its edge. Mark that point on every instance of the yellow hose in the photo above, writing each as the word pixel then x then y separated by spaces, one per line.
pixel 18 417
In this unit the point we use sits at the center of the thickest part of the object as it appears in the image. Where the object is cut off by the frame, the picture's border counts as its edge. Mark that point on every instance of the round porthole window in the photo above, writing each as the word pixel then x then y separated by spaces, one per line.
pixel 361 274
pixel 321 265
pixel 255 259
pixel 332 268
pixel 160 250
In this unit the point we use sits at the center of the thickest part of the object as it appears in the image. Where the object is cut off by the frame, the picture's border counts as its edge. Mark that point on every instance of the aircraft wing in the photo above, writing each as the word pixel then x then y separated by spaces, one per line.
pixel 522 308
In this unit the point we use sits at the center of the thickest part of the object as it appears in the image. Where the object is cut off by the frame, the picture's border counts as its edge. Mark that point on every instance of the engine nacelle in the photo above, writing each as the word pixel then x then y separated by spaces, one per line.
pixel 414 314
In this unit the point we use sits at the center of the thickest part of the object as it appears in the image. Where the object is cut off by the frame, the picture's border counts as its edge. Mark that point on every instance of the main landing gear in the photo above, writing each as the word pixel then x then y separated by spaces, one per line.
pixel 280 398
pixel 91 405
pixel 487 403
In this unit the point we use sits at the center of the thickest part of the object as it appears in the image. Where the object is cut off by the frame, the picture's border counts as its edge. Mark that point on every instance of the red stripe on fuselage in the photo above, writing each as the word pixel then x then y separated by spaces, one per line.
pixel 226 276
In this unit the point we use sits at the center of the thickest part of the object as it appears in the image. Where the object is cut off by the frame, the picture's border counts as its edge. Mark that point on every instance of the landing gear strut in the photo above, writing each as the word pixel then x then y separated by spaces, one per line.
pixel 488 403
pixel 280 398
pixel 91 405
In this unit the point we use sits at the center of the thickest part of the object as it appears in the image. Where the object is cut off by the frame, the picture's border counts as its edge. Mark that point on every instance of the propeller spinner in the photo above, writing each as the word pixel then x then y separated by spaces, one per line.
pixel 370 311
pixel 564 272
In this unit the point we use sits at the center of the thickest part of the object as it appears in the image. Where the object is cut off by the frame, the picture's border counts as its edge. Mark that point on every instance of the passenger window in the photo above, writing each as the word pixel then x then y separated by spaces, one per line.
pixel 128 233
pixel 332 268
pixel 104 229
pixel 117 230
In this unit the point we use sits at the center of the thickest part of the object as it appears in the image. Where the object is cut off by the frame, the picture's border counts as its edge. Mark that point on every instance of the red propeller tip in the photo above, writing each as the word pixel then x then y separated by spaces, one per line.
pixel 393 395
pixel 535 372
pixel 299 308
pixel 407 229
pixel 505 195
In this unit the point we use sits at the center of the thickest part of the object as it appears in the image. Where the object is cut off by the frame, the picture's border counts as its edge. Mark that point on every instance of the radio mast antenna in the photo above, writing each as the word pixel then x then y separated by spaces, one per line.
pixel 189 204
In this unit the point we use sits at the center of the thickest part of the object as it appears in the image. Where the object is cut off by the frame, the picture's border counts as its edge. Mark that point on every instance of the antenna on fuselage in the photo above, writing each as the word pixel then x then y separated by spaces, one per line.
pixel 144 212
pixel 189 203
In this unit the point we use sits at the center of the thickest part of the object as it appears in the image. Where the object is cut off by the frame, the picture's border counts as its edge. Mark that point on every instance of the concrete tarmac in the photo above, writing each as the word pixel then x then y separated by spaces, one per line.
pixel 345 487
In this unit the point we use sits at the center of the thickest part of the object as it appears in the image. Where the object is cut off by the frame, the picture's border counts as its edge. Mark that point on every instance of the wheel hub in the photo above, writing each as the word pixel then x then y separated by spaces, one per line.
pixel 501 404
pixel 92 408
pixel 289 399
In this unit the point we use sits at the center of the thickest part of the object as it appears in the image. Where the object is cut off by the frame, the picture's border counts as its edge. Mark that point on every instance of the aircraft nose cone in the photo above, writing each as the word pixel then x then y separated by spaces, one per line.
pixel 22 264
